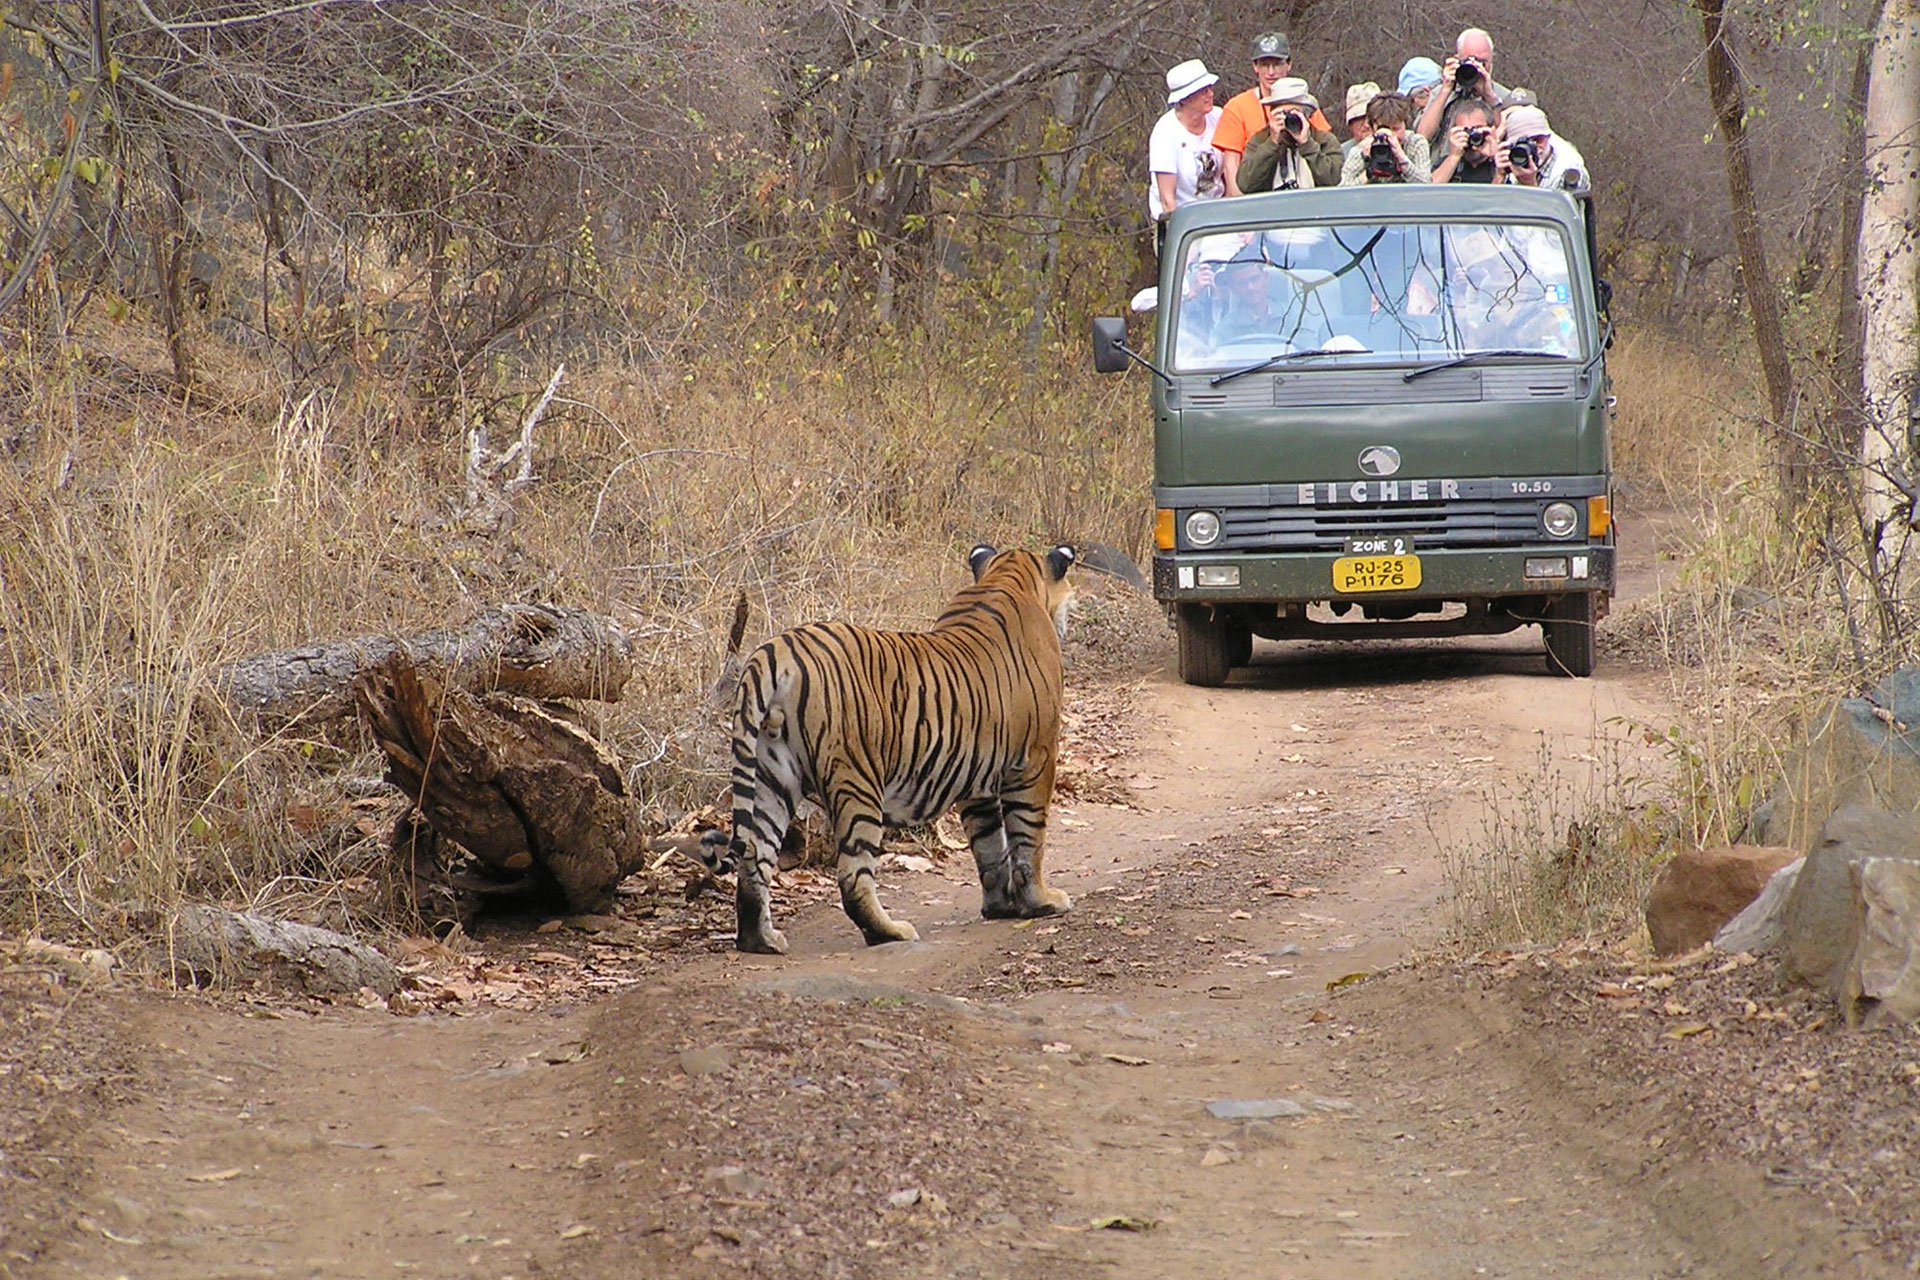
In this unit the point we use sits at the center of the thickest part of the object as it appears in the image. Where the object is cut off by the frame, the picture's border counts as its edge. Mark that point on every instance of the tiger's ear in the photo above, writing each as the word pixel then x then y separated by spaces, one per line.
pixel 977 559
pixel 1059 560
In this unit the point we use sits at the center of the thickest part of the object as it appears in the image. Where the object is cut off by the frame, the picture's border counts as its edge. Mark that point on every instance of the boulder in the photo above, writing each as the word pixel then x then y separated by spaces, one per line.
pixel 1756 929
pixel 1818 927
pixel 1866 752
pixel 1702 889
pixel 1882 986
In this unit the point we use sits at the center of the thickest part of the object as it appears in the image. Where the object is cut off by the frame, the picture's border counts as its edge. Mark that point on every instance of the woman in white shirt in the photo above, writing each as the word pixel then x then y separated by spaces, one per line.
pixel 1181 160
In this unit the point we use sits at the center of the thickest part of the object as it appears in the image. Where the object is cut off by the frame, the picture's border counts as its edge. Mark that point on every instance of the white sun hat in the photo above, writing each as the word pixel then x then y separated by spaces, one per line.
pixel 1187 79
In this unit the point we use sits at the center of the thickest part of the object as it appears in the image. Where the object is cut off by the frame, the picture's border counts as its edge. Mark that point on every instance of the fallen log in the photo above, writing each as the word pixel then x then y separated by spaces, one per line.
pixel 536 800
pixel 212 944
pixel 538 651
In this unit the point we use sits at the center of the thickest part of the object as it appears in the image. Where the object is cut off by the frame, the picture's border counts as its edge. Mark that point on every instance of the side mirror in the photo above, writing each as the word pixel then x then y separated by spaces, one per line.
pixel 1110 344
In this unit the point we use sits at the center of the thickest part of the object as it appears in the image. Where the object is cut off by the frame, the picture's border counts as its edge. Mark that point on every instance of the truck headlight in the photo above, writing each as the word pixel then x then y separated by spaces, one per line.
pixel 1203 528
pixel 1560 520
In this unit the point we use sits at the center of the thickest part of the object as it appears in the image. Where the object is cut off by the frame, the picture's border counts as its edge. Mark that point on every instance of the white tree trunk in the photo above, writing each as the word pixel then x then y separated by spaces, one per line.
pixel 1890 271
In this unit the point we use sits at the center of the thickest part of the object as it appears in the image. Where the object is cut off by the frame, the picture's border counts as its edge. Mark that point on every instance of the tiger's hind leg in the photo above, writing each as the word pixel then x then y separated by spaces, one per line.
pixel 765 791
pixel 1025 813
pixel 857 830
pixel 987 833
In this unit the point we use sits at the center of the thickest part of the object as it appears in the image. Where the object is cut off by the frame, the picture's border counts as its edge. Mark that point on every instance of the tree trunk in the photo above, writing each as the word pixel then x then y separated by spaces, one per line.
pixel 1763 304
pixel 1079 121
pixel 1845 423
pixel 1890 278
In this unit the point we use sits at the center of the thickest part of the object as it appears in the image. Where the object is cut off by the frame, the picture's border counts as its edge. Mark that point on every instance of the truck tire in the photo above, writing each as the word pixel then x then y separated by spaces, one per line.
pixel 1204 656
pixel 1569 630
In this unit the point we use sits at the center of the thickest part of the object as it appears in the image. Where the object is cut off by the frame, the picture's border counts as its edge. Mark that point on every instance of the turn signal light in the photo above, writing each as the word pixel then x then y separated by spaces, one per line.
pixel 1599 516
pixel 1163 529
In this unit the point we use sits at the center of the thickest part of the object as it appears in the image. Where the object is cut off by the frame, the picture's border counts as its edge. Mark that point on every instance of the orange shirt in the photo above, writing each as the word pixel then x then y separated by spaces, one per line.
pixel 1243 116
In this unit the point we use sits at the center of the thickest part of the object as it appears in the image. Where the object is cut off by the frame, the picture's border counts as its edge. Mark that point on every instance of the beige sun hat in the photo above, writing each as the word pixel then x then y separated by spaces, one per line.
pixel 1524 122
pixel 1289 89
pixel 1358 96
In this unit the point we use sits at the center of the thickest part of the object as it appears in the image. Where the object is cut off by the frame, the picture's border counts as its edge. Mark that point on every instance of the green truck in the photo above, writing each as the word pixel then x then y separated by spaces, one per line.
pixel 1378 411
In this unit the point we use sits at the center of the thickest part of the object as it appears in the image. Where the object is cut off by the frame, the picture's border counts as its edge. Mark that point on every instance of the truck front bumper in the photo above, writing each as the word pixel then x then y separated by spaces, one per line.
pixel 1299 577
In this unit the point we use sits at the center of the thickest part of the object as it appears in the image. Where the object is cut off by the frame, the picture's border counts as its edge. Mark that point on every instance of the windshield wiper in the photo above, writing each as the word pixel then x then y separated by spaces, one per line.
pixel 1473 356
pixel 1285 356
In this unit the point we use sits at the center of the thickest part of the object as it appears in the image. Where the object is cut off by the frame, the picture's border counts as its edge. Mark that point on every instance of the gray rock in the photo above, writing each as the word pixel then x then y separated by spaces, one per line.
pixel 1756 929
pixel 1883 974
pixel 1817 926
pixel 711 1061
pixel 1866 752
pixel 735 1180
pixel 1255 1109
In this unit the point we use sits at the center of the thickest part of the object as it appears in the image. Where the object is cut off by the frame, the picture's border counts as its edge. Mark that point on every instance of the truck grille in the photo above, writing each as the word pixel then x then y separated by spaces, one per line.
pixel 1458 523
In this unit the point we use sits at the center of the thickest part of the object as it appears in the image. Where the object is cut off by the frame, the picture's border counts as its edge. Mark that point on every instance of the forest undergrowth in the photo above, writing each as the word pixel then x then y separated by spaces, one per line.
pixel 1757 629
pixel 174 535
pixel 177 534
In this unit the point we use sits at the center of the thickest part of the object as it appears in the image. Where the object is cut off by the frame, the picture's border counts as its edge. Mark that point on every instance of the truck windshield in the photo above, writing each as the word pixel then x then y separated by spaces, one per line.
pixel 1393 292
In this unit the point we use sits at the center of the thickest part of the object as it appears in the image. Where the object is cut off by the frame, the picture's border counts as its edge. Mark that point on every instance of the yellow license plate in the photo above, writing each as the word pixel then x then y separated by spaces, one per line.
pixel 1353 575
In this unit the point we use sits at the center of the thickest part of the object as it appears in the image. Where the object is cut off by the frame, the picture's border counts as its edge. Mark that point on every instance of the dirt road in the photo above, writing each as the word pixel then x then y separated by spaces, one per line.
pixel 1026 1100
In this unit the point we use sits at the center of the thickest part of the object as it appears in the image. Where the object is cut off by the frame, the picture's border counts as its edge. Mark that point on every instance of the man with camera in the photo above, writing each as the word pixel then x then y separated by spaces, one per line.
pixel 1246 115
pixel 1394 153
pixel 1467 76
pixel 1474 149
pixel 1291 153
pixel 1536 155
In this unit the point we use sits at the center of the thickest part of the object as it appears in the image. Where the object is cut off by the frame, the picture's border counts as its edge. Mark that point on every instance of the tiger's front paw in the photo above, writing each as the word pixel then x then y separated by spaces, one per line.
pixel 766 942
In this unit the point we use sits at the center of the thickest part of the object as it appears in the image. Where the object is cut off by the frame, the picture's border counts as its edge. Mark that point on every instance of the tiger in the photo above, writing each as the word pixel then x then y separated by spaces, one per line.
pixel 889 727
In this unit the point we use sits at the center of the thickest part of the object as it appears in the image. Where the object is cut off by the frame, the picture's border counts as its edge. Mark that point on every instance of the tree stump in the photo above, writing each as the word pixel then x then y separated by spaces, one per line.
pixel 538 802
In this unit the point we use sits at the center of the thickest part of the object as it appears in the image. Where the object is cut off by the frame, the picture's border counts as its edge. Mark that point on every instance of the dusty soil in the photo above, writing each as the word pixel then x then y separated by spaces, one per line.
pixel 1259 919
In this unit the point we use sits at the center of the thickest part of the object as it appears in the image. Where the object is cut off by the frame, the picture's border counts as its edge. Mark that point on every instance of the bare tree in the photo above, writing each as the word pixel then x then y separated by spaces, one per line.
pixel 892 93
pixel 473 148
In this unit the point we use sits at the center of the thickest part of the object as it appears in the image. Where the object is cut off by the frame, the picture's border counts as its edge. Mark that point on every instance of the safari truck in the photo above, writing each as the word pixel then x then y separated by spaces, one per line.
pixel 1378 411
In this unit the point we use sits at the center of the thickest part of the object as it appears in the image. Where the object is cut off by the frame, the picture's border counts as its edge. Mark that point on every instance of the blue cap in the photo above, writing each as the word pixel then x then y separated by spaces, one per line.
pixel 1419 73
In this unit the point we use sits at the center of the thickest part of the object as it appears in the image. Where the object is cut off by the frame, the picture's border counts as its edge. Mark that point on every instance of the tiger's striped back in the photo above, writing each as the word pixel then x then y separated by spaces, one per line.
pixel 887 727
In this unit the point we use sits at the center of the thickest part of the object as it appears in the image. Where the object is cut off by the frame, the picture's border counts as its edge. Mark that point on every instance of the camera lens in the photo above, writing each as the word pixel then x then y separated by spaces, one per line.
pixel 1380 159
pixel 1467 73
pixel 1477 136
pixel 1521 154
pixel 1295 121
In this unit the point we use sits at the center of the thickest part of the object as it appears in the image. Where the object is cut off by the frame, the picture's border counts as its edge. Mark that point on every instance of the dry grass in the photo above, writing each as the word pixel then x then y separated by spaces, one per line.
pixel 1566 851
pixel 1683 431
pixel 167 539
pixel 1748 628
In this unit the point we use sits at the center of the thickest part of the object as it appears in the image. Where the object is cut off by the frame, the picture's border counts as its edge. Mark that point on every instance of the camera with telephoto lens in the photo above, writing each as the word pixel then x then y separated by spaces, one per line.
pixel 1477 136
pixel 1294 121
pixel 1523 154
pixel 1381 162
pixel 1467 74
